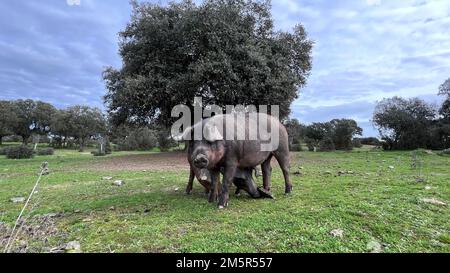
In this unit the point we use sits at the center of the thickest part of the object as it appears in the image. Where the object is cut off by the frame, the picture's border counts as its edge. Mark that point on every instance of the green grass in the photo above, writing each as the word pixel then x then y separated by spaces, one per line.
pixel 373 203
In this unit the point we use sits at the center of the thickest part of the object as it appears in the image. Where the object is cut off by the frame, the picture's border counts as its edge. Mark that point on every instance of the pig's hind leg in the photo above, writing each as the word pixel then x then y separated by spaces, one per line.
pixel 283 160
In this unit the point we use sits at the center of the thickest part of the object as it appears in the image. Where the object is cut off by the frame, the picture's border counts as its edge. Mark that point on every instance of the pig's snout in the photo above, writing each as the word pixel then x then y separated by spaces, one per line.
pixel 201 161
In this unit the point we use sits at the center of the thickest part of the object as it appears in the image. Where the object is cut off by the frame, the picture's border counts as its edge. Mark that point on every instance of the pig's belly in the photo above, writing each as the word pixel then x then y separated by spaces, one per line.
pixel 252 160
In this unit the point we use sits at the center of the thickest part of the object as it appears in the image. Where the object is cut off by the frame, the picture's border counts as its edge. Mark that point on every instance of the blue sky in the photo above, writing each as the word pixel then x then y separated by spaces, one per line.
pixel 55 50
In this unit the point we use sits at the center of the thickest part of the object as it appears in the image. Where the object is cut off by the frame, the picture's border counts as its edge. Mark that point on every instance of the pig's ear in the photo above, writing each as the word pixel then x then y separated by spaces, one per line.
pixel 212 133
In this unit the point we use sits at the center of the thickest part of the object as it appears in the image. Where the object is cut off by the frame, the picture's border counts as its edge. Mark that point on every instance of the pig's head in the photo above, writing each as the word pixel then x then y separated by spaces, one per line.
pixel 207 152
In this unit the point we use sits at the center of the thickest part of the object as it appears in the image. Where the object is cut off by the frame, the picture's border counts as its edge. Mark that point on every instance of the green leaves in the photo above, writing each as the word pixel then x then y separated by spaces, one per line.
pixel 224 51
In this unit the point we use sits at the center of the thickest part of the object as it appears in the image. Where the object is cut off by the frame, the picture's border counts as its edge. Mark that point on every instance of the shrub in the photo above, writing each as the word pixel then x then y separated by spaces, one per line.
pixel 310 144
pixel 357 143
pixel 138 139
pixel 19 152
pixel 108 147
pixel 45 151
pixel 296 147
pixel 4 150
pixel 373 141
pixel 326 145
pixel 165 142
pixel 12 138
pixel 97 153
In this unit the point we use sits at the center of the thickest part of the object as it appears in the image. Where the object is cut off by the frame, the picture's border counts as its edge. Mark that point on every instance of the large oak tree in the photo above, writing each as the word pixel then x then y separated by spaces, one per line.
pixel 225 51
pixel 31 117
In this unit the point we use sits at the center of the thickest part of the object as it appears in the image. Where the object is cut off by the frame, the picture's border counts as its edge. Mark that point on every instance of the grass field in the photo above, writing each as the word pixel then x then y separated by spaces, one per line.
pixel 377 200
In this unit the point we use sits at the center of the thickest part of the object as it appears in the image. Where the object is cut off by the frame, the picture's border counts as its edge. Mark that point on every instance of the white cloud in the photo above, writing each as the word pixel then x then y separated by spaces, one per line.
pixel 373 2
pixel 73 2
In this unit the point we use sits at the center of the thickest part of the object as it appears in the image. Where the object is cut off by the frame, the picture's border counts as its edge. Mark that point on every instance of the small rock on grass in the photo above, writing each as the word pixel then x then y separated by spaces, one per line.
pixel 391 167
pixel 118 183
pixel 107 178
pixel 374 247
pixel 337 233
pixel 434 202
pixel 420 180
pixel 18 199
pixel 73 247
pixel 428 188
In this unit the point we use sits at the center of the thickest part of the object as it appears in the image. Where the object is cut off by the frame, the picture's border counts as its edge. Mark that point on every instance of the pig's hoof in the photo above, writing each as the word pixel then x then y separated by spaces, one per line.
pixel 265 194
pixel 288 190
pixel 221 207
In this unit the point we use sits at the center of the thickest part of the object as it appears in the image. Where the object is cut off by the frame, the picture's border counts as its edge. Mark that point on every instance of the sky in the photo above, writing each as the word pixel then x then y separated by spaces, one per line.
pixel 365 50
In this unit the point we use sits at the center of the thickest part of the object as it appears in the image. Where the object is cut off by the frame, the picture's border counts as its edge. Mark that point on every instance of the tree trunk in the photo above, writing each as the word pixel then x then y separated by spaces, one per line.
pixel 1 140
pixel 81 145
pixel 25 140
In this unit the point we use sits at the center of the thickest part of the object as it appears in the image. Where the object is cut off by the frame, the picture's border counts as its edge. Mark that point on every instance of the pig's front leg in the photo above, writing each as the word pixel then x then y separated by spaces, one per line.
pixel 190 182
pixel 228 176
pixel 215 182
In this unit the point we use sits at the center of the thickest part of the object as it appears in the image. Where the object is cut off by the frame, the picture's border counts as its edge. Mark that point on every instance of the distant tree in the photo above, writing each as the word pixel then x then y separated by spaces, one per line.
pixel 373 141
pixel 33 117
pixel 404 123
pixel 85 122
pixel 444 89
pixel 132 139
pixel 339 132
pixel 225 51
pixel 7 119
pixel 445 110
pixel 342 133
pixel 61 127
pixel 296 131
pixel 357 143
pixel 315 133
pixel 326 145
pixel 441 129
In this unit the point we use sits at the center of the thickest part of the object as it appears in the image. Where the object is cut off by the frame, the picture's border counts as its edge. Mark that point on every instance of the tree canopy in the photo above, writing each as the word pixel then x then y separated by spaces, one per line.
pixel 335 134
pixel 85 122
pixel 32 117
pixel 225 51
pixel 7 119
pixel 403 123
pixel 342 133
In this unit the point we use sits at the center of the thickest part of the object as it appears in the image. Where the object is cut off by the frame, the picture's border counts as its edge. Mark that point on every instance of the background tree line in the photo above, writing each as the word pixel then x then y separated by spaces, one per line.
pixel 76 126
pixel 337 134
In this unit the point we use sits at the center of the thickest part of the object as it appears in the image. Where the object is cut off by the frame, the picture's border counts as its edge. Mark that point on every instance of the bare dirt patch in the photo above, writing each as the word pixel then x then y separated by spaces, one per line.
pixel 150 162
